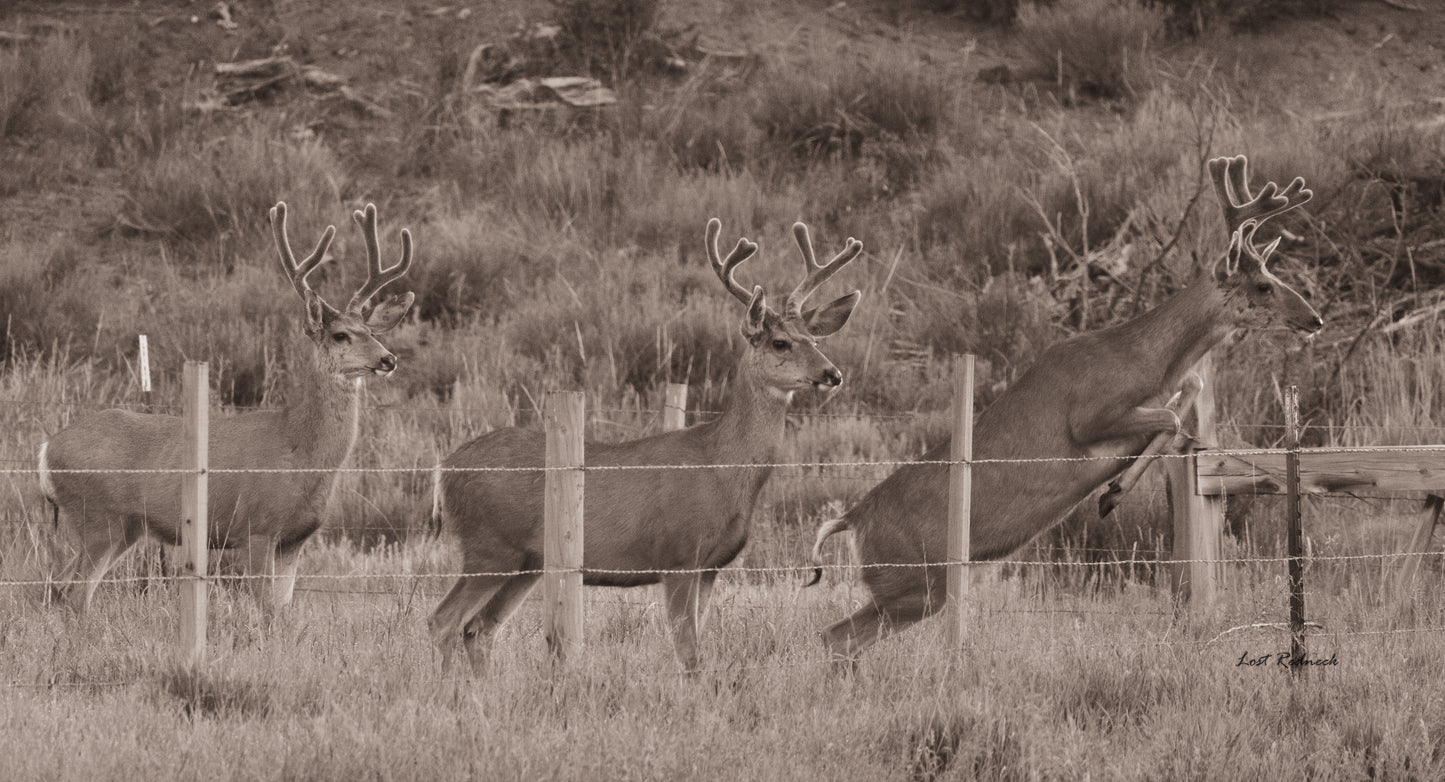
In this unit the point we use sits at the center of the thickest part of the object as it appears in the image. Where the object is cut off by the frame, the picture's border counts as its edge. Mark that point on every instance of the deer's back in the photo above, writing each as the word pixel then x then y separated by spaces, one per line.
pixel 634 518
pixel 904 518
pixel 119 439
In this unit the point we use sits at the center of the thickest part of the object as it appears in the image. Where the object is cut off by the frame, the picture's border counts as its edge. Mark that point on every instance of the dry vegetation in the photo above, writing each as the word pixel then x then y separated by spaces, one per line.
pixel 1062 192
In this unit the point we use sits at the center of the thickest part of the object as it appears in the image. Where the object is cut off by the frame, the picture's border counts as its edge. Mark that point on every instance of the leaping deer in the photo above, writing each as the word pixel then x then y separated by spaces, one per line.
pixel 1095 395
pixel 270 514
pixel 643 523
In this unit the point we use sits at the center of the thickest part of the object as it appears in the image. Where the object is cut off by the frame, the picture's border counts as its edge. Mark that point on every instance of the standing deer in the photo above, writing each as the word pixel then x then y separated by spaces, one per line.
pixel 270 514
pixel 643 523
pixel 1095 395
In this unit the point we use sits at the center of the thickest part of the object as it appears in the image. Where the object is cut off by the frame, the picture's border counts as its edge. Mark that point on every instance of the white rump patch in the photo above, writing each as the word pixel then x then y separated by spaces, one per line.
pixel 47 486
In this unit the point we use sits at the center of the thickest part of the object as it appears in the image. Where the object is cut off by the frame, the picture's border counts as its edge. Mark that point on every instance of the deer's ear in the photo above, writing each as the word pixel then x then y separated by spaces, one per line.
pixel 389 312
pixel 316 308
pixel 1225 267
pixel 757 312
pixel 822 321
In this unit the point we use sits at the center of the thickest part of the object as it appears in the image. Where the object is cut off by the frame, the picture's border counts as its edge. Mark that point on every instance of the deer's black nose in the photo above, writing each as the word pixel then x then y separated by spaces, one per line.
pixel 832 377
pixel 387 363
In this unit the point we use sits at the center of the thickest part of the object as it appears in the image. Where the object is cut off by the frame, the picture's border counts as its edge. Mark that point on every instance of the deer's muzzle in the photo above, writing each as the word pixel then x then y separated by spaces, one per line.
pixel 832 378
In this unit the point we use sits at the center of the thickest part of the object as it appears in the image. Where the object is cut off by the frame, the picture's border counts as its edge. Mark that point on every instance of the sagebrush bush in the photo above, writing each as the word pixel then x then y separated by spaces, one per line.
pixel 971 219
pixel 47 296
pixel 614 36
pixel 707 132
pixel 246 324
pixel 480 263
pixel 201 188
pixel 833 112
pixel 45 87
pixel 1096 47
pixel 660 335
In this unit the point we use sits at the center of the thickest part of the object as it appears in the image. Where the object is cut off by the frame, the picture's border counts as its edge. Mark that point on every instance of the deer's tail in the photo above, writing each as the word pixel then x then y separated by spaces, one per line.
pixel 824 532
pixel 47 483
pixel 434 527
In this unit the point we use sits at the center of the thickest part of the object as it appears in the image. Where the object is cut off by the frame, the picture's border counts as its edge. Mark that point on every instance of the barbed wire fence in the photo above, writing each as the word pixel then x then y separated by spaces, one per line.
pixel 1424 469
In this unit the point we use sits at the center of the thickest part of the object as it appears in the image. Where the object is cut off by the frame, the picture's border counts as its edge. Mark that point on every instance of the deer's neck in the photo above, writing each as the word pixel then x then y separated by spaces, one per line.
pixel 322 412
pixel 1172 337
pixel 750 428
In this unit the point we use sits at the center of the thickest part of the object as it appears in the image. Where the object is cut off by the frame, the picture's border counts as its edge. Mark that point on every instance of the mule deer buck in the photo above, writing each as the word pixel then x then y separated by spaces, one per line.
pixel 269 514
pixel 642 523
pixel 1096 395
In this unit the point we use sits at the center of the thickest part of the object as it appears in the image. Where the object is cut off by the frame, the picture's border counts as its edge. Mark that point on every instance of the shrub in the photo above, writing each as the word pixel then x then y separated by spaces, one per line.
pixel 615 36
pixel 705 131
pixel 838 112
pixel 43 297
pixel 197 190
pixel 1198 16
pixel 970 216
pixel 1094 47
pixel 481 263
pixel 45 87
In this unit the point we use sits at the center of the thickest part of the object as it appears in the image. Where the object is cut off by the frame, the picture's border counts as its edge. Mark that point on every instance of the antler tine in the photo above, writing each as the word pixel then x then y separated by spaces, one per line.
pixel 377 277
pixel 297 272
pixel 1231 180
pixel 742 251
pixel 816 274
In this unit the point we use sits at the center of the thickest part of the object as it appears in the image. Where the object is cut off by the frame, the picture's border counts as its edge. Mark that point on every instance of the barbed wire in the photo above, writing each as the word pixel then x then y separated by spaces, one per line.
pixel 1230 452
pixel 742 569
pixel 527 412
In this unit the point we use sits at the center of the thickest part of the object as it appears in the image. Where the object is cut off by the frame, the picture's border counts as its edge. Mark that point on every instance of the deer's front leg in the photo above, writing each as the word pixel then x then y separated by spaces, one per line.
pixel 687 597
pixel 1163 442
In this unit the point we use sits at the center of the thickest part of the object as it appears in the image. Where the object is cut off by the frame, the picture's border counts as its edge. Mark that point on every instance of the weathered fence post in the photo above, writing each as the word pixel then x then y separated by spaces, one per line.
pixel 1295 531
pixel 960 498
pixel 562 417
pixel 195 428
pixel 1198 520
pixel 674 407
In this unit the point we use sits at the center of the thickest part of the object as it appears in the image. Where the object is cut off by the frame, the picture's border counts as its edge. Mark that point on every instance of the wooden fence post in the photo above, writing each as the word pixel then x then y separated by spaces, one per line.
pixel 1295 530
pixel 563 417
pixel 1198 520
pixel 674 407
pixel 195 430
pixel 960 498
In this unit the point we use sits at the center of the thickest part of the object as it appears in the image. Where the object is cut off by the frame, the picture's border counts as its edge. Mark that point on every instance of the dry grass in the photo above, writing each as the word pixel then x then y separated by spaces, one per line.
pixel 1095 47
pixel 1051 684
pixel 567 254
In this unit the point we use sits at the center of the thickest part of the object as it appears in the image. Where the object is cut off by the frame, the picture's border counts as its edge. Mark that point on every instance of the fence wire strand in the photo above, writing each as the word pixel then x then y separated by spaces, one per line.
pixel 1230 452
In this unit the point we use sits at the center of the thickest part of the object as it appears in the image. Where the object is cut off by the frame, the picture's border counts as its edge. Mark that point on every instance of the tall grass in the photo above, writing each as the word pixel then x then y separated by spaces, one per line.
pixel 202 189
pixel 45 87
pixel 1109 686
pixel 1092 46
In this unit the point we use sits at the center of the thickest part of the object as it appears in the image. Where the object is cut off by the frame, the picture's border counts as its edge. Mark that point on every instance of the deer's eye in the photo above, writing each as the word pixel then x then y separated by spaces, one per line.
pixel 341 337
pixel 1264 287
pixel 781 344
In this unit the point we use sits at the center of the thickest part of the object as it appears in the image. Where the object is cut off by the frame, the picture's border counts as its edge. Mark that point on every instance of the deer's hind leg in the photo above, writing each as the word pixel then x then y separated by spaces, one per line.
pixel 889 612
pixel 479 631
pixel 473 608
pixel 100 545
pixel 260 569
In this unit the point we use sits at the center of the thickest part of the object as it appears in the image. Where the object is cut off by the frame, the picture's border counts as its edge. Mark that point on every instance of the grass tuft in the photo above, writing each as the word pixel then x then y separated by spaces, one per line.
pixel 1095 47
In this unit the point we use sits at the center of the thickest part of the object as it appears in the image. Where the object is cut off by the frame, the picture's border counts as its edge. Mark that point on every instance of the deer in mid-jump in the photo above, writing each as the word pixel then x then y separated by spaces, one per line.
pixel 270 515
pixel 642 522
pixel 1096 395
